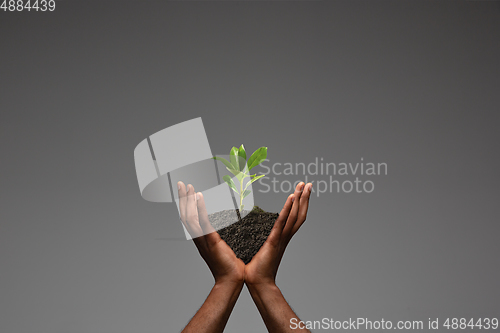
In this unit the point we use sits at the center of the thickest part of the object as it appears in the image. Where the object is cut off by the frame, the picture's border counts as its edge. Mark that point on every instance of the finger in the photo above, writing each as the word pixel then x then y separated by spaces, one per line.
pixel 211 235
pixel 292 218
pixel 192 211
pixel 182 201
pixel 303 207
pixel 275 234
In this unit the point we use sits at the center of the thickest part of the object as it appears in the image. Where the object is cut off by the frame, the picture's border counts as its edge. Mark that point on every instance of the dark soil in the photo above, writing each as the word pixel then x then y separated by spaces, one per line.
pixel 245 237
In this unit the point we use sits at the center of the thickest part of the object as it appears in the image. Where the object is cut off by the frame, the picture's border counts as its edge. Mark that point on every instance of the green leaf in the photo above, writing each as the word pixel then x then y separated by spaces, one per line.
pixel 230 182
pixel 234 172
pixel 223 160
pixel 240 176
pixel 233 156
pixel 242 153
pixel 253 180
pixel 245 193
pixel 242 158
pixel 257 157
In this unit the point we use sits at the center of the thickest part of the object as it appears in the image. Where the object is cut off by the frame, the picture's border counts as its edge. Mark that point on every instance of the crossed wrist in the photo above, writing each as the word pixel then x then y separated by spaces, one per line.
pixel 226 281
pixel 262 286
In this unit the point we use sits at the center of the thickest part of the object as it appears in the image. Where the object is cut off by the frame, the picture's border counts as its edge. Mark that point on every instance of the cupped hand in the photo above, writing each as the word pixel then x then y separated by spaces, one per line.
pixel 220 258
pixel 263 267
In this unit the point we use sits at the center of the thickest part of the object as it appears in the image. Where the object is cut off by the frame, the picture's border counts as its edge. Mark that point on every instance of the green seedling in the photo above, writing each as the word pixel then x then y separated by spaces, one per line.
pixel 239 166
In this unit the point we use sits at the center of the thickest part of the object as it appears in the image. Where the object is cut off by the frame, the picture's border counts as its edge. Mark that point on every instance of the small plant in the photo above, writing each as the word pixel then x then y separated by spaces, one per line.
pixel 240 167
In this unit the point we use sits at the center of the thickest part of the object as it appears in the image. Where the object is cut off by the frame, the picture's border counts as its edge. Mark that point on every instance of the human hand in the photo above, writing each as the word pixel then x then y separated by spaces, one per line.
pixel 220 258
pixel 263 267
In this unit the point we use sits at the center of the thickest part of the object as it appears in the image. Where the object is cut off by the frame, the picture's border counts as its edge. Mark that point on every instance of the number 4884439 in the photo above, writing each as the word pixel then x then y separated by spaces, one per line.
pixel 28 5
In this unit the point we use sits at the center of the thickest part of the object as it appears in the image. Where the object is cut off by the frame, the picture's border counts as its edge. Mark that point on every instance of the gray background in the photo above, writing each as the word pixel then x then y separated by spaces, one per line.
pixel 412 84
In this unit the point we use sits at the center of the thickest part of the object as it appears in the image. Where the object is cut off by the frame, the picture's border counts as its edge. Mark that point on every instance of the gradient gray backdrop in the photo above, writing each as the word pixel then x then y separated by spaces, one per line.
pixel 413 84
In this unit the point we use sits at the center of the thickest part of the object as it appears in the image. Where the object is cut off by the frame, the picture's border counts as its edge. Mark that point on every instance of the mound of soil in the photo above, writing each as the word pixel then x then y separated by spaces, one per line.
pixel 247 236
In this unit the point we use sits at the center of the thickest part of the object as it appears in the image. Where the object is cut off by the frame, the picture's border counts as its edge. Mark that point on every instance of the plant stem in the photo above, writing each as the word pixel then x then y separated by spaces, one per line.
pixel 241 193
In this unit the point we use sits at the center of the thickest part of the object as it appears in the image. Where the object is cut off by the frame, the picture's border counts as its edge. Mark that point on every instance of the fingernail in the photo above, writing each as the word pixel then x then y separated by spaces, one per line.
pixel 310 188
pixel 188 188
pixel 302 187
pixel 178 186
pixel 198 196
pixel 293 198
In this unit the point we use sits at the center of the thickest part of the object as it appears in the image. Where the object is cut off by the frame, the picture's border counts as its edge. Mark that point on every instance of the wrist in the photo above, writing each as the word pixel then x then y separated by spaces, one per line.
pixel 262 287
pixel 228 283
